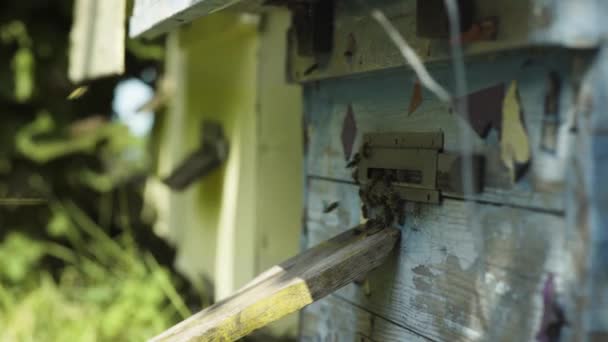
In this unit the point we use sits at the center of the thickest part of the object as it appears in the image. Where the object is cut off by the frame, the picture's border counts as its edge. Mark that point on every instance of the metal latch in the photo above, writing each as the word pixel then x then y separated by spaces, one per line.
pixel 411 167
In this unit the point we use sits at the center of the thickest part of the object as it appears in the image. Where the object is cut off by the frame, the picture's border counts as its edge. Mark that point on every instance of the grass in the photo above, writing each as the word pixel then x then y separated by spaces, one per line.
pixel 106 289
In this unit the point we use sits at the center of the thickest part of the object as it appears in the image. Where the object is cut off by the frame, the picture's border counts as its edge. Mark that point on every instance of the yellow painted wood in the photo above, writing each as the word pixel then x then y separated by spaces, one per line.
pixel 228 227
pixel 212 67
pixel 280 156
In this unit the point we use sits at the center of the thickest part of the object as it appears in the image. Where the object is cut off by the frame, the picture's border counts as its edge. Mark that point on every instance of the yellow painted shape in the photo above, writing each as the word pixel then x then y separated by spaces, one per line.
pixel 259 314
pixel 252 316
pixel 514 145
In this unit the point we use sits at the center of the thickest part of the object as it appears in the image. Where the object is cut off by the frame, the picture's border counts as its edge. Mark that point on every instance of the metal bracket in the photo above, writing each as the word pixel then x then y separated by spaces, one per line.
pixel 413 166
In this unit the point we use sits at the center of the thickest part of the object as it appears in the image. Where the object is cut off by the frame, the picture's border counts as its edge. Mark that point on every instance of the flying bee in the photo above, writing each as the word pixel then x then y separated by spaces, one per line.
pixel 355 161
pixel 331 207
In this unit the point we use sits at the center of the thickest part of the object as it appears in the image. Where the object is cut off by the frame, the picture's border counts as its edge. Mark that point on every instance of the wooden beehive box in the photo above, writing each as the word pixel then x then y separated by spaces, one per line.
pixel 521 258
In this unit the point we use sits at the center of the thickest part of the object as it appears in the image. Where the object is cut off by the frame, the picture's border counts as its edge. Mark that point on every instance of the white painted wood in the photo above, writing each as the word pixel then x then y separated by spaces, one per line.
pixel 97 39
pixel 453 280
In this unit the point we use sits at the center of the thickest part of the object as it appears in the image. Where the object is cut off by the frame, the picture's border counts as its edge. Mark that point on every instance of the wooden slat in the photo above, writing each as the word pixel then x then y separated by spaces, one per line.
pixel 97 39
pixel 454 280
pixel 375 51
pixel 288 287
pixel 588 196
pixel 360 45
pixel 380 103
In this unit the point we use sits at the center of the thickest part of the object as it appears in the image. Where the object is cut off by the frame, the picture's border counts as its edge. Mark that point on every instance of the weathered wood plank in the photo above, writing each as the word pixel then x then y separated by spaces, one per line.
pixel 288 287
pixel 452 279
pixel 373 50
pixel 97 39
pixel 571 23
pixel 379 102
pixel 588 195
pixel 334 319
pixel 360 45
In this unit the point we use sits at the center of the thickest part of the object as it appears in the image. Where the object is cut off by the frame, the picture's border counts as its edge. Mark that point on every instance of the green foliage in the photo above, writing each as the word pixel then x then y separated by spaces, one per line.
pixel 18 254
pixel 123 154
pixel 107 290
pixel 23 61
pixel 23 70
pixel 117 136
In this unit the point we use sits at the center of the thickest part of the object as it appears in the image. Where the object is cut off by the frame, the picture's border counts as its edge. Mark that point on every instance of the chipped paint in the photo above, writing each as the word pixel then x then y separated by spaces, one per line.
pixel 416 98
pixel 452 280
pixel 515 147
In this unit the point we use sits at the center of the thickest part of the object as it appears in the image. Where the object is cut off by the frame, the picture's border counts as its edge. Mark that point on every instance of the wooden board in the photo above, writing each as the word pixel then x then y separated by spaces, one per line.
pixel 151 18
pixel 375 51
pixel 288 287
pixel 97 39
pixel 452 279
pixel 380 102
pixel 335 319
pixel 360 45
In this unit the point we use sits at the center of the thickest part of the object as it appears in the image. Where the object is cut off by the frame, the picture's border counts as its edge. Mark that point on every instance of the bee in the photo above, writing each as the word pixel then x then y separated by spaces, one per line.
pixel 331 207
pixel 354 162
pixel 364 211
pixel 355 175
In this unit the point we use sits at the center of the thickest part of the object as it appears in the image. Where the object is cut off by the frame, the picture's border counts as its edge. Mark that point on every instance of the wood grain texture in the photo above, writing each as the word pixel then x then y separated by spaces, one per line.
pixel 380 103
pixel 154 17
pixel 288 287
pixel 451 279
pixel 335 319
pixel 360 45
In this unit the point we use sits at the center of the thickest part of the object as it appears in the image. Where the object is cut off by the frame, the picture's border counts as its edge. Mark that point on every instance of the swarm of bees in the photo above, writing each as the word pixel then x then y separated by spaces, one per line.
pixel 381 204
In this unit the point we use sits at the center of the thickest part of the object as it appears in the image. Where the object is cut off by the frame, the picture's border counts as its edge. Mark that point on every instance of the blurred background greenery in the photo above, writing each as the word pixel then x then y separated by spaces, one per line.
pixel 78 260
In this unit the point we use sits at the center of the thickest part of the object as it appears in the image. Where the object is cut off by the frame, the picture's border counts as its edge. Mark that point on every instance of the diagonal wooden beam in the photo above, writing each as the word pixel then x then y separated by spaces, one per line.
pixel 288 287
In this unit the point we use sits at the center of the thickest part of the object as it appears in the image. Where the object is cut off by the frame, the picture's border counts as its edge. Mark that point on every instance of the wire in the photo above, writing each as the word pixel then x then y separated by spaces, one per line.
pixel 410 56
pixel 461 107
